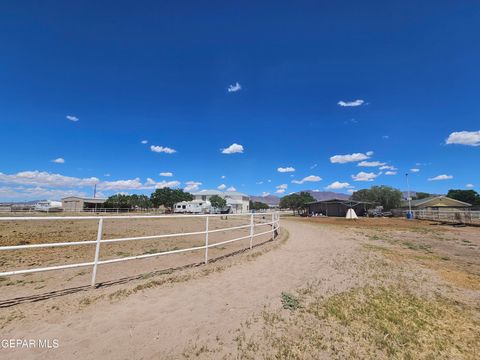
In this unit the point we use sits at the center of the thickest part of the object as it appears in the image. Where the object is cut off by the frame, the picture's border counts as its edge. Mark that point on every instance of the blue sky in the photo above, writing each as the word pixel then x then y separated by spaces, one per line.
pixel 123 72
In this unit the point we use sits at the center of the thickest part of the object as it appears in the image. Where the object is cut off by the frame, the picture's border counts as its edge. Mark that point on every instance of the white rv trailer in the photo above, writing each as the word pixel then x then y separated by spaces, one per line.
pixel 193 207
pixel 49 206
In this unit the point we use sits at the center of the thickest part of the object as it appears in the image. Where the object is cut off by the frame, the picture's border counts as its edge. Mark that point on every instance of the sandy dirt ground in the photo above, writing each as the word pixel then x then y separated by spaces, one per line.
pixel 280 300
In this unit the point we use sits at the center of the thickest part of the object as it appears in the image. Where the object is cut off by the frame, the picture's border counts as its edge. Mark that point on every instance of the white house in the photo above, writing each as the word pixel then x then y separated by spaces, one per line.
pixel 236 201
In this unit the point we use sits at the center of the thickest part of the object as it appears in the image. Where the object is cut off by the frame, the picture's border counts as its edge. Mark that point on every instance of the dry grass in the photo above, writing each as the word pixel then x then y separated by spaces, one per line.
pixel 366 322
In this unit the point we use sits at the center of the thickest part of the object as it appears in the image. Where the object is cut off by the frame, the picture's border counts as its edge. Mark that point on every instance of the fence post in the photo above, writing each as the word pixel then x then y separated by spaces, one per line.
pixel 97 251
pixel 251 231
pixel 273 226
pixel 206 239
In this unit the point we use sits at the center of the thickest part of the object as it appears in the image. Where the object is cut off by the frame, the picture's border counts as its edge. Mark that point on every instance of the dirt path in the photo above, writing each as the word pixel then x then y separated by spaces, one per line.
pixel 163 322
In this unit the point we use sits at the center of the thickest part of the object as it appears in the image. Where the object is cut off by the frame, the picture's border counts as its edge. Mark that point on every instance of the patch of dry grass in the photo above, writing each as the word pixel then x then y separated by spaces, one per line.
pixel 366 322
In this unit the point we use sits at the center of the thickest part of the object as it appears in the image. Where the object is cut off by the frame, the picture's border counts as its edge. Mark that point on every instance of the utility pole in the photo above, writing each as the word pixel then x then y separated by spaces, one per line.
pixel 409 198
pixel 94 190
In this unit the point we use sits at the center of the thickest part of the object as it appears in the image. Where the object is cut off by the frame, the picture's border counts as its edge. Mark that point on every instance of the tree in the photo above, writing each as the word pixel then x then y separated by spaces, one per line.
pixel 385 196
pixel 258 205
pixel 123 201
pixel 421 195
pixel 217 202
pixel 168 197
pixel 468 196
pixel 296 202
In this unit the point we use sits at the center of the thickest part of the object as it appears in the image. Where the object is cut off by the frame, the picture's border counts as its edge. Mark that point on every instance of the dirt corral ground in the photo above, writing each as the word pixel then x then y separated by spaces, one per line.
pixel 326 288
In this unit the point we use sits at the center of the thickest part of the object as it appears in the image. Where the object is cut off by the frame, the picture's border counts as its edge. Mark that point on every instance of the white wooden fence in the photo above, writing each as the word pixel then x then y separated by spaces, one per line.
pixel 271 219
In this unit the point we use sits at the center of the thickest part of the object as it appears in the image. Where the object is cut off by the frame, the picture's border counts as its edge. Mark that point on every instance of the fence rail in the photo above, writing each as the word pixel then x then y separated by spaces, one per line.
pixel 273 222
pixel 449 216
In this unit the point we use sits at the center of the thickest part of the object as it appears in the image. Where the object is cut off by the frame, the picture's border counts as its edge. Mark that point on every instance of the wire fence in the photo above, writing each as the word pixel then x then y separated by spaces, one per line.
pixel 252 221
pixel 449 216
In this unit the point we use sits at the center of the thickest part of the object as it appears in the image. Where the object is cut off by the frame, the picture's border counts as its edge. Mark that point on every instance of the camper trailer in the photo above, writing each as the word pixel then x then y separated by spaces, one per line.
pixel 49 206
pixel 192 207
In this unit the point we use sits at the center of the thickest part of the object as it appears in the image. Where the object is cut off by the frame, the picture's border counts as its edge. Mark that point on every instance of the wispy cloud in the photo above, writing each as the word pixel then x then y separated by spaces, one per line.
pixel 233 149
pixel 385 137
pixel 351 103
pixel 192 186
pixel 469 185
pixel 222 187
pixel 144 141
pixel 371 163
pixel 441 177
pixel 364 176
pixel 337 185
pixel 310 178
pixel 471 138
pixel 162 149
pixel 388 167
pixel 285 169
pixel 414 170
pixel 166 174
pixel 264 194
pixel 59 161
pixel 234 88
pixel 231 188
pixel 390 173
pixel 281 188
pixel 313 166
pixel 169 184
pixel 342 159
pixel 43 178
pixel 72 118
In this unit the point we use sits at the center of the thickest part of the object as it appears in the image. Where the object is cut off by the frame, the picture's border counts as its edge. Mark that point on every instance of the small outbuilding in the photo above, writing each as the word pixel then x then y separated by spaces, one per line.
pixel 436 203
pixel 337 207
pixel 75 203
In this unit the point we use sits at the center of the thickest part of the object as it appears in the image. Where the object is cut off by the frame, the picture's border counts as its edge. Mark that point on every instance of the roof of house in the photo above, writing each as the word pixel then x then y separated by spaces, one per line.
pixel 85 199
pixel 425 201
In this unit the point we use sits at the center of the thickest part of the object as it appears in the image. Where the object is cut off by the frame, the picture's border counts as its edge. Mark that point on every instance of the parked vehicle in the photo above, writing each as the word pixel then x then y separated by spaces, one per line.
pixel 49 206
pixel 193 207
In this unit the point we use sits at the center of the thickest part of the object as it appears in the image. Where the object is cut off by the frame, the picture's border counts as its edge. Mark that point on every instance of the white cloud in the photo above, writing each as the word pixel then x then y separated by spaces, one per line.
pixel 364 176
pixel 471 138
pixel 414 170
pixel 351 103
pixel 222 187
pixel 313 166
pixel 390 173
pixel 222 177
pixel 234 88
pixel 441 177
pixel 370 163
pixel 337 185
pixel 165 184
pixel 259 182
pixel 162 149
pixel 192 186
pixel 285 169
pixel 43 178
pixel 388 167
pixel 125 184
pixel 37 193
pixel 385 137
pixel 166 174
pixel 144 141
pixel 310 178
pixel 281 188
pixel 342 159
pixel 72 118
pixel 233 149
pixel 264 194
pixel 59 161
pixel 351 191
pixel 231 188
pixel 469 185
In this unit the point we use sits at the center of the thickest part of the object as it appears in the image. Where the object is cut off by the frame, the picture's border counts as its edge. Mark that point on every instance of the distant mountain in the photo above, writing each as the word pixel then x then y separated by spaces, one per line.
pixel 317 195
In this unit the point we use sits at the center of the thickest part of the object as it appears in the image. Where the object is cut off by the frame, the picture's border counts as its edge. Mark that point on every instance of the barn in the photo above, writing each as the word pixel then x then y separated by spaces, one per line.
pixel 337 207
pixel 75 203
pixel 436 203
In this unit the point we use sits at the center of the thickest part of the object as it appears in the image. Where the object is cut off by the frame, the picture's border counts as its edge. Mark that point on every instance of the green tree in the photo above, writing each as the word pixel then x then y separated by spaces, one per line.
pixel 386 196
pixel 258 205
pixel 218 202
pixel 123 201
pixel 421 195
pixel 468 196
pixel 168 197
pixel 296 202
